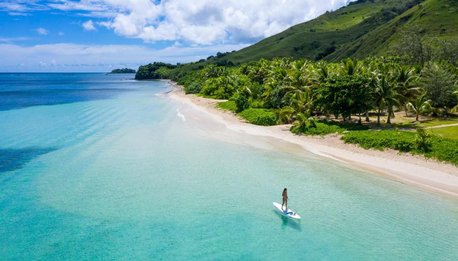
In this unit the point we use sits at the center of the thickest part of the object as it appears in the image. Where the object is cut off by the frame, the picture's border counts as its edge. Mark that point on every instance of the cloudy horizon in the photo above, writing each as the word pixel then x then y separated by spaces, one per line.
pixel 99 35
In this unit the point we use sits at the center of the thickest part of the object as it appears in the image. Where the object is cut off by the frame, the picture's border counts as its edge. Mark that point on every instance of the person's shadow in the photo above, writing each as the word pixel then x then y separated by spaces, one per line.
pixel 288 222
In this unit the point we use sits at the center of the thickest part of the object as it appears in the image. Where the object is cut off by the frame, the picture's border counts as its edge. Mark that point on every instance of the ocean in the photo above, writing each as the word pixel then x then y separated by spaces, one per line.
pixel 103 167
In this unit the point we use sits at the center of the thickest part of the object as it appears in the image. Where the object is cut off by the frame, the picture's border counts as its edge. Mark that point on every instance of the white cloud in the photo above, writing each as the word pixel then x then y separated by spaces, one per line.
pixel 199 21
pixel 21 7
pixel 76 57
pixel 83 5
pixel 13 39
pixel 42 31
pixel 89 26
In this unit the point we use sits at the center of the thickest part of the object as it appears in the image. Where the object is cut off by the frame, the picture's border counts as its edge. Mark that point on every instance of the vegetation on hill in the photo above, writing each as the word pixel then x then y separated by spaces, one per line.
pixel 321 97
pixel 363 28
pixel 124 70
pixel 156 70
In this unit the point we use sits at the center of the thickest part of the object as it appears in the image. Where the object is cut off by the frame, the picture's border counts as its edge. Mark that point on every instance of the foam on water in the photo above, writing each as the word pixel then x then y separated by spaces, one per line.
pixel 126 178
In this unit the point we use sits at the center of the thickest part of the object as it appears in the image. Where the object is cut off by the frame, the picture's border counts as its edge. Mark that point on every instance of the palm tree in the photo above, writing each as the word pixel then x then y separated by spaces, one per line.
pixel 275 80
pixel 286 114
pixel 301 124
pixel 389 82
pixel 386 95
pixel 407 86
pixel 419 105
pixel 350 67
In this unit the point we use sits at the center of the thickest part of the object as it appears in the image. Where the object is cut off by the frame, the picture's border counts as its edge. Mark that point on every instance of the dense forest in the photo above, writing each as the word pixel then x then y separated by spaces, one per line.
pixel 124 70
pixel 319 88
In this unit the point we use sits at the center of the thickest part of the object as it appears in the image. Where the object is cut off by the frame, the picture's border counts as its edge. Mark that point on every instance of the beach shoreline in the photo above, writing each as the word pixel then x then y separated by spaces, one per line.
pixel 424 173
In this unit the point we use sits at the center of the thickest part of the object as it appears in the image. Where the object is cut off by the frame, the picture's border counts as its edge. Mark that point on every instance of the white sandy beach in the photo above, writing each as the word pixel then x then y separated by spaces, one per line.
pixel 415 170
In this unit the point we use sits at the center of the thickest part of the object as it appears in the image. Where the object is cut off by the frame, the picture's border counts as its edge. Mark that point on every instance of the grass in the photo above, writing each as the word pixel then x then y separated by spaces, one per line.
pixel 438 122
pixel 227 105
pixel 446 132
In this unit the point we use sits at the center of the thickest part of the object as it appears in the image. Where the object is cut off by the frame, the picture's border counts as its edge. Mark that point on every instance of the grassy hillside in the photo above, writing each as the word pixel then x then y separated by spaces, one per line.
pixel 363 28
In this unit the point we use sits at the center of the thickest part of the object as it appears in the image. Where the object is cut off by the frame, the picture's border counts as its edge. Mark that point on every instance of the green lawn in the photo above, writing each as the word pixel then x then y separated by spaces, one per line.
pixel 446 132
pixel 437 122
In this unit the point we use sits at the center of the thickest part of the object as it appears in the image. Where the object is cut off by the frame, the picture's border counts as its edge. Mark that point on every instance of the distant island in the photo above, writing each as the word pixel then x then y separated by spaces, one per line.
pixel 124 70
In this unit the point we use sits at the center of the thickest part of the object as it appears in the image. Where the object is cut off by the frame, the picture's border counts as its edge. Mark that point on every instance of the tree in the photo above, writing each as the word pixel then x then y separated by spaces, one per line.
pixel 419 105
pixel 345 95
pixel 149 71
pixel 241 98
pixel 407 84
pixel 445 50
pixel 411 46
pixel 439 84
pixel 385 94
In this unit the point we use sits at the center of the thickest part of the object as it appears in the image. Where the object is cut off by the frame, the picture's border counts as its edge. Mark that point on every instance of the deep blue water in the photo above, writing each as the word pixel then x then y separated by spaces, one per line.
pixel 33 89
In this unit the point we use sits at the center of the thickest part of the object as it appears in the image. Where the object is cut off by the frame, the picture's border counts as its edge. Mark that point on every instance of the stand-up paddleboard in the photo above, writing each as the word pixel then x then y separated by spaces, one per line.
pixel 287 213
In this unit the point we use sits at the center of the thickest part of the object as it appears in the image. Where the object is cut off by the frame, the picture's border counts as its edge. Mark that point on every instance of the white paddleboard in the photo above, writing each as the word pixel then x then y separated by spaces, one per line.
pixel 287 213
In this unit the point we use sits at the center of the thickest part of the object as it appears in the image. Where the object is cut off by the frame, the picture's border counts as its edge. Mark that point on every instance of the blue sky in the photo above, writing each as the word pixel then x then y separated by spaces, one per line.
pixel 99 35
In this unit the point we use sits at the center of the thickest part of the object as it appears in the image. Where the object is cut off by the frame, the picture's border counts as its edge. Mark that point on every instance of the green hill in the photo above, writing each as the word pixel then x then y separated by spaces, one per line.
pixel 361 29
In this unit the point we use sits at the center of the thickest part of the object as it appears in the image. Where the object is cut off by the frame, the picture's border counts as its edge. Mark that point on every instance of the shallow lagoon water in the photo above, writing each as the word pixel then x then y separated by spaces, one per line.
pixel 109 171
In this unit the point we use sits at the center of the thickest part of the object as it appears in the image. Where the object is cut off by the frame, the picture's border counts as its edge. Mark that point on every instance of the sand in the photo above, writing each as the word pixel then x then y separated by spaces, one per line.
pixel 424 173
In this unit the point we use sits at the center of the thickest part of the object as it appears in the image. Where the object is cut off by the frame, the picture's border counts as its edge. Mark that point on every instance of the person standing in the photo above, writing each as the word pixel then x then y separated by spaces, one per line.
pixel 285 199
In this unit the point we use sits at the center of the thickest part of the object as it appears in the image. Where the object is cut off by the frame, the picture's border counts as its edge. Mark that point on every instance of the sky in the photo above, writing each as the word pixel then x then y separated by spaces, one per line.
pixel 101 35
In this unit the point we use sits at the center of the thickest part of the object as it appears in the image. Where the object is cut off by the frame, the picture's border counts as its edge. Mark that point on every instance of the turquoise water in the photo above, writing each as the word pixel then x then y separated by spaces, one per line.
pixel 100 167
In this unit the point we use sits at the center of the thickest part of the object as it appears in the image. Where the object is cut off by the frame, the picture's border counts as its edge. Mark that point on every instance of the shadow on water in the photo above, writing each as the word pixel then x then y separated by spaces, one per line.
pixel 12 100
pixel 13 159
pixel 288 222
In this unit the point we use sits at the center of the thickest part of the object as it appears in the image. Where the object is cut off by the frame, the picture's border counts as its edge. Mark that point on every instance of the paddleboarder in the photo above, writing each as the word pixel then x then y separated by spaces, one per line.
pixel 285 199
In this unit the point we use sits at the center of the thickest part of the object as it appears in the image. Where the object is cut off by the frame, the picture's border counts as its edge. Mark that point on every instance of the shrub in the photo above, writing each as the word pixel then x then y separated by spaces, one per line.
pixel 259 116
pixel 323 129
pixel 443 149
pixel 241 101
pixel 393 139
pixel 436 147
pixel 194 87
pixel 423 140
pixel 313 127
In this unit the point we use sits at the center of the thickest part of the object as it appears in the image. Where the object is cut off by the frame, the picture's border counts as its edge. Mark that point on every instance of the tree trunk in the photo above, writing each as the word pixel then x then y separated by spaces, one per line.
pixel 390 113
pixel 367 116
pixel 378 116
pixel 388 120
pixel 416 119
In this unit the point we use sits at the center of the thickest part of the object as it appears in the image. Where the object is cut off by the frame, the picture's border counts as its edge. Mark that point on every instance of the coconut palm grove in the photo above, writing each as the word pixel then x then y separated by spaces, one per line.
pixel 376 102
